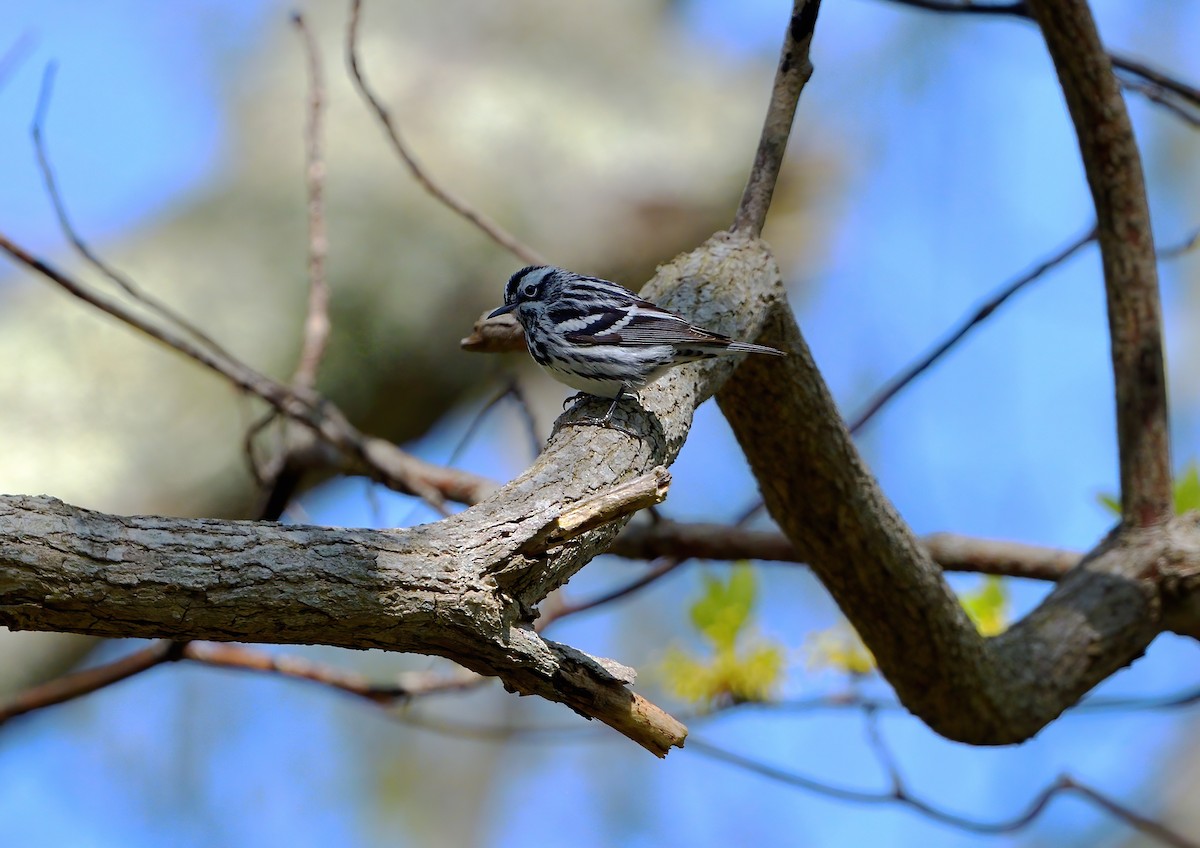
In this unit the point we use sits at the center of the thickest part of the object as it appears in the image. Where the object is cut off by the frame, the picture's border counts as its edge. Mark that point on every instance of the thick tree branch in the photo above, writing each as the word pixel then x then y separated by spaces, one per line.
pixel 1104 613
pixel 1114 172
pixel 462 588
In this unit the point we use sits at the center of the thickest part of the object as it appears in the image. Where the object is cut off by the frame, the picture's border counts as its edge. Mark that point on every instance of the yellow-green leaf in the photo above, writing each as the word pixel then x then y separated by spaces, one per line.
pixel 839 648
pixel 728 677
pixel 1187 489
pixel 988 606
pixel 724 608
pixel 1109 502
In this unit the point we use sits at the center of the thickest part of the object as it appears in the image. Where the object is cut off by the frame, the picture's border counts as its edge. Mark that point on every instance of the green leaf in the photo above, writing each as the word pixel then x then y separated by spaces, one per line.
pixel 1109 502
pixel 724 608
pixel 1187 489
pixel 737 669
pixel 988 606
pixel 840 648
pixel 728 677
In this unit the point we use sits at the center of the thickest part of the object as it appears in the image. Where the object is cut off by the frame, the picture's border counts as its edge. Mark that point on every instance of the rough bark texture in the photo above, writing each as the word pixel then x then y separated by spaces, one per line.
pixel 1114 172
pixel 1106 611
pixel 464 588
pixel 998 691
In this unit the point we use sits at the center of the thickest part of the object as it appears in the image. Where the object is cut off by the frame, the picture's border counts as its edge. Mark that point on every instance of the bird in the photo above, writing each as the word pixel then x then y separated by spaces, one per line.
pixel 602 339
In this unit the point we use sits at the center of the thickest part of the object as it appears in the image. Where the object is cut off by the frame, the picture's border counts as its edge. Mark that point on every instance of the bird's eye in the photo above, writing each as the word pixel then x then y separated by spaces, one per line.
pixel 529 290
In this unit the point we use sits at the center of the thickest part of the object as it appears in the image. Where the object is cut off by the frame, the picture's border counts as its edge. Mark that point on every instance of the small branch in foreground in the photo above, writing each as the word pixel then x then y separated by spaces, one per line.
pixel 443 195
pixel 793 72
pixel 316 322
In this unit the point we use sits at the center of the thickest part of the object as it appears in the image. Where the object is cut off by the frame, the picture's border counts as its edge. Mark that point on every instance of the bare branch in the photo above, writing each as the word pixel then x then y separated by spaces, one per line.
pixel 80 683
pixel 248 581
pixel 724 542
pixel 407 685
pixel 899 796
pixel 659 570
pixel 439 192
pixel 316 322
pixel 11 59
pixel 619 502
pixel 1154 79
pixel 121 280
pixel 793 72
pixel 460 588
pixel 886 394
pixel 1114 170
pixel 906 377
pixel 373 457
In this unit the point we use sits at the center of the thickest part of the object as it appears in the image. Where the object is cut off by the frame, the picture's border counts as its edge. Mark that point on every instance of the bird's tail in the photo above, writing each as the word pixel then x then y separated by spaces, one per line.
pixel 746 347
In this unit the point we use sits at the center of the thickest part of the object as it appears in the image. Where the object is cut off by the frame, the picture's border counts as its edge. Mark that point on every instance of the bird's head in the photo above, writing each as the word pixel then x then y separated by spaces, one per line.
pixel 529 289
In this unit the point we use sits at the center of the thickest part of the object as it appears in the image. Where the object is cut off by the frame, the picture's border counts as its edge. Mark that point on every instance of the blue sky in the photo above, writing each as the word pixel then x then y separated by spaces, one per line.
pixel 964 174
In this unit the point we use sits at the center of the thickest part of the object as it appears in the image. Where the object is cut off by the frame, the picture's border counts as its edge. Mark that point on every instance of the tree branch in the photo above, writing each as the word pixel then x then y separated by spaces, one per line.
pixel 1145 77
pixel 1114 172
pixel 793 72
pixel 316 321
pixel 950 551
pixel 434 188
pixel 461 588
pixel 376 458
pixel 1106 611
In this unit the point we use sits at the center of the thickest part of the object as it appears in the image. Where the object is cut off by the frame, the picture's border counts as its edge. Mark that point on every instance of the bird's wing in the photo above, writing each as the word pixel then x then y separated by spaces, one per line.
pixel 643 324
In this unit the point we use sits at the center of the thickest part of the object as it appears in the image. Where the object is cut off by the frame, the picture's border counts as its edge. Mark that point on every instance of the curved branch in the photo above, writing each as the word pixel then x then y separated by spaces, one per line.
pixel 1105 612
pixel 1114 173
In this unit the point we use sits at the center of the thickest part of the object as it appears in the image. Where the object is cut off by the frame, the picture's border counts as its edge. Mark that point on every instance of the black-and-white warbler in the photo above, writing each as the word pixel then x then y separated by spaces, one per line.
pixel 601 338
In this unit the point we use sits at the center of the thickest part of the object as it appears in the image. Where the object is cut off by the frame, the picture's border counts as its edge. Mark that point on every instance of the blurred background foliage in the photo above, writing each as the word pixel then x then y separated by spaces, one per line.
pixel 932 160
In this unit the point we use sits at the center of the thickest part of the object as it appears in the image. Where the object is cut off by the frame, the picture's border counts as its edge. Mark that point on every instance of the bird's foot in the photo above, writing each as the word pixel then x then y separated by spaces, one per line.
pixel 604 420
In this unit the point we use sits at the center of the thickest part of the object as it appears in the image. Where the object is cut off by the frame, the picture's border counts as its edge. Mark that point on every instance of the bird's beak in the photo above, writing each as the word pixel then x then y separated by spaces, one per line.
pixel 503 310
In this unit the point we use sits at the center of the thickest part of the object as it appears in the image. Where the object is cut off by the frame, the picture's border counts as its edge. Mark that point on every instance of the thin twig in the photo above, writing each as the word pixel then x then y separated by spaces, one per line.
pixel 439 192
pixel 1132 67
pixel 374 457
pixel 80 683
pixel 1184 91
pixel 82 247
pixel 902 798
pixel 793 72
pixel 989 307
pixel 902 380
pixel 1163 98
pixel 688 540
pixel 316 322
pixel 658 570
pixel 14 56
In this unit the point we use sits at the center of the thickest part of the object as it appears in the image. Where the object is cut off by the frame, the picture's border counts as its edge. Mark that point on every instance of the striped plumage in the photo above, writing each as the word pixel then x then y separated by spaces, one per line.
pixel 601 338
